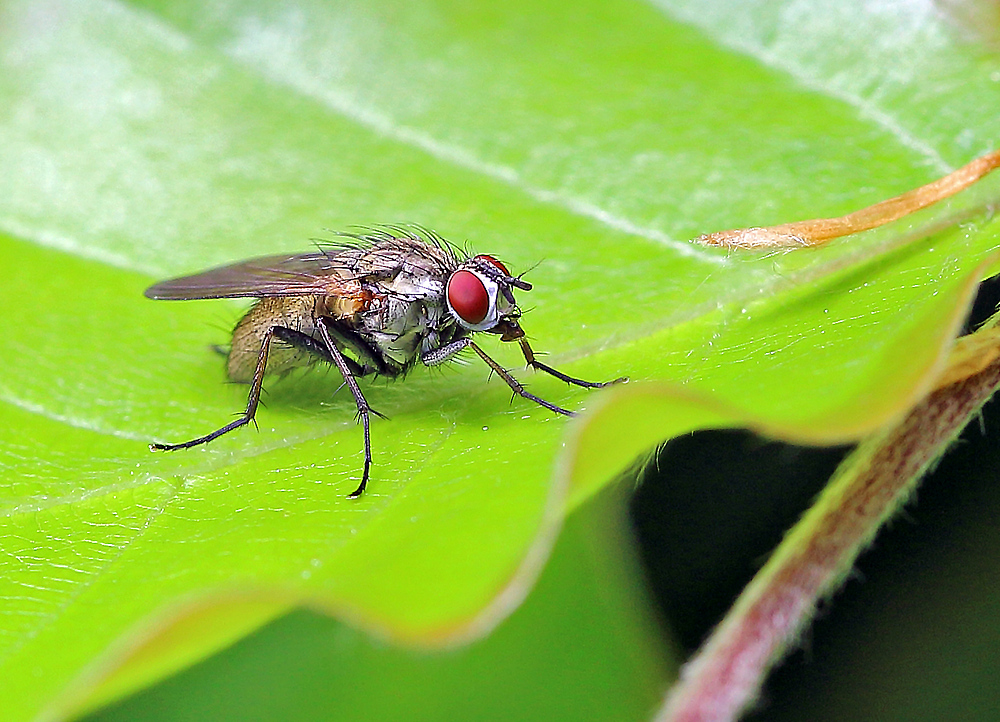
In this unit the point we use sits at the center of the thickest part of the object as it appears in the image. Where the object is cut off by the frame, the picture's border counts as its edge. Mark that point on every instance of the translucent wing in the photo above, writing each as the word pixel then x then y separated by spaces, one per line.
pixel 295 275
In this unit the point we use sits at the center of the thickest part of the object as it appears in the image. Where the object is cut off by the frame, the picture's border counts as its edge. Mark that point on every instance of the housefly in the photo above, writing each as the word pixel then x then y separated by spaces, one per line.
pixel 374 303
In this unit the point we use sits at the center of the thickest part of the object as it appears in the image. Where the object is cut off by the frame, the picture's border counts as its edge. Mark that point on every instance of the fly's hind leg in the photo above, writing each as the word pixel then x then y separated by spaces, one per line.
pixel 308 343
pixel 252 401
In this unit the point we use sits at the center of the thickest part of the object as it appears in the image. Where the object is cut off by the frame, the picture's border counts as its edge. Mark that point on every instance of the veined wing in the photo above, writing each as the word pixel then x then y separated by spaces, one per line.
pixel 291 275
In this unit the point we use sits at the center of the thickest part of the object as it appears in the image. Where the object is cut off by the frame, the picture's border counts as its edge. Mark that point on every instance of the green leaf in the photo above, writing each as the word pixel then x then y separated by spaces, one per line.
pixel 142 141
pixel 582 646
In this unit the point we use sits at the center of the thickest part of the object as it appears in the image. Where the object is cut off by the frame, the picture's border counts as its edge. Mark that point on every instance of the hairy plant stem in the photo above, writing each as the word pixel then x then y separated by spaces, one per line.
pixel 725 675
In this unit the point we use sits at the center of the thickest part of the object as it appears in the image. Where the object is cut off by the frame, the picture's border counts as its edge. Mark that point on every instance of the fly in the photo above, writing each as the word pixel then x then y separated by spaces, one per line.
pixel 373 304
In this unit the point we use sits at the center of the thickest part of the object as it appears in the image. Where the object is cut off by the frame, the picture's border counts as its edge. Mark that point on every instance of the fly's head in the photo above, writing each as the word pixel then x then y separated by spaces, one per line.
pixel 480 297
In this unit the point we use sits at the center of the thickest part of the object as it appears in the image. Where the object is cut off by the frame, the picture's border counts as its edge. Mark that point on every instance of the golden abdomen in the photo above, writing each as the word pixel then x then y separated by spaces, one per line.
pixel 295 312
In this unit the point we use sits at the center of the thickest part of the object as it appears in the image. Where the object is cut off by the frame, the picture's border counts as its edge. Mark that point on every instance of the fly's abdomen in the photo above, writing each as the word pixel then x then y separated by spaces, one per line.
pixel 293 312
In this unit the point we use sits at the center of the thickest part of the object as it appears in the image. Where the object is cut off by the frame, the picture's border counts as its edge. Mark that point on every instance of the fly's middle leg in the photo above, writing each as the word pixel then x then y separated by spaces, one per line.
pixel 364 410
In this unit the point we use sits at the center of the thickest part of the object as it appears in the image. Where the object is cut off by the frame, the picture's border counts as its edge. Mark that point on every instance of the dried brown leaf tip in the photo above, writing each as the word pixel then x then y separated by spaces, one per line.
pixel 820 230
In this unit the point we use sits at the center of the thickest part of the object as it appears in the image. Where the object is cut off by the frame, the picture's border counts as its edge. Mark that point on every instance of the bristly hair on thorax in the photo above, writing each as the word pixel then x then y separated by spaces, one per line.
pixel 389 235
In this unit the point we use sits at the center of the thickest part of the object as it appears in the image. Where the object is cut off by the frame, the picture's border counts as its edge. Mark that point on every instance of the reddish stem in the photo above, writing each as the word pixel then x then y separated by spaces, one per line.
pixel 725 676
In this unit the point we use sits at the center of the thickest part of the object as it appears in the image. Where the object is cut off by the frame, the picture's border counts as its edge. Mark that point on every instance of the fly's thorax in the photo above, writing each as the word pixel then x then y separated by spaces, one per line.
pixel 399 325
pixel 404 281
pixel 407 301
pixel 298 313
pixel 416 278
pixel 406 259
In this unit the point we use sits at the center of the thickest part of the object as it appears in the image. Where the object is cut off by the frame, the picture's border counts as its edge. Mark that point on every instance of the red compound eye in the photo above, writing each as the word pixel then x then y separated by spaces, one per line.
pixel 494 262
pixel 468 297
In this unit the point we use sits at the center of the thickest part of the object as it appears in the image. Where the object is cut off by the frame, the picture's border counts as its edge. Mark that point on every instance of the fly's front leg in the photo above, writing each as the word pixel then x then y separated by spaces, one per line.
pixel 443 354
pixel 363 408
pixel 529 357
pixel 516 385
pixel 247 416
